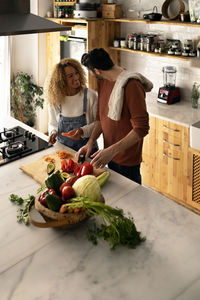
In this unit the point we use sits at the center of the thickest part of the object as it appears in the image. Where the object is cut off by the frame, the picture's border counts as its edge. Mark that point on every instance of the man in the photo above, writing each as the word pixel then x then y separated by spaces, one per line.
pixel 122 117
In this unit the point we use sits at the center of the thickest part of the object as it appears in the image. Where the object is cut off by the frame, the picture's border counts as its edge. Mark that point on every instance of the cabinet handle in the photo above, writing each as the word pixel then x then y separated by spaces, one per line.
pixel 177 145
pixel 169 156
pixel 177 130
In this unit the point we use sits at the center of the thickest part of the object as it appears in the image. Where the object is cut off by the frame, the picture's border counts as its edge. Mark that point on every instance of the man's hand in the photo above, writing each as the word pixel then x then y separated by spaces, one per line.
pixel 101 158
pixel 86 150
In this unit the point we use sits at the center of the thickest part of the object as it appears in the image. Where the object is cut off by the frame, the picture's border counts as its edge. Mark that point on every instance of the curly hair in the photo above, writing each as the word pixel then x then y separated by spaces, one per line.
pixel 55 86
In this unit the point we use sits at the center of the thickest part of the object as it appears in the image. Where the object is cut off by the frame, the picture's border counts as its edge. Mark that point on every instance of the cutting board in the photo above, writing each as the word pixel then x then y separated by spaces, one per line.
pixel 38 168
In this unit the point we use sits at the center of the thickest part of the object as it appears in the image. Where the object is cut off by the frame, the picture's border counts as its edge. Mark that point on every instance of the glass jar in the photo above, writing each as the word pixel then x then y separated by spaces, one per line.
pixel 116 43
pixel 123 43
pixel 135 42
pixel 130 41
pixel 61 12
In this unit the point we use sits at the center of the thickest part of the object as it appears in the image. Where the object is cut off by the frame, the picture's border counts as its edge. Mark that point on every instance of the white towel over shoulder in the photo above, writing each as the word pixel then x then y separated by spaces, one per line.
pixel 115 103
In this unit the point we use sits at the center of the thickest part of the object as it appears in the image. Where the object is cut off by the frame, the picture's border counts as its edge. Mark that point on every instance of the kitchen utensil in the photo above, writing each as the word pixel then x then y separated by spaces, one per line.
pixel 169 93
pixel 154 16
pixel 55 219
pixel 171 9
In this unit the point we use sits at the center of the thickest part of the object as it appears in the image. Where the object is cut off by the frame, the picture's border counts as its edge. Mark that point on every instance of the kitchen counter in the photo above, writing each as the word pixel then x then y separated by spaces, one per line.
pixel 180 112
pixel 53 264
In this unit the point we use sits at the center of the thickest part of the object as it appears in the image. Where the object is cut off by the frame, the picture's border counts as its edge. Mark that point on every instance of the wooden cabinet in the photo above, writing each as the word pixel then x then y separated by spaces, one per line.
pixel 171 159
pixel 149 155
pixel 193 197
pixel 95 32
pixel 53 49
pixel 165 159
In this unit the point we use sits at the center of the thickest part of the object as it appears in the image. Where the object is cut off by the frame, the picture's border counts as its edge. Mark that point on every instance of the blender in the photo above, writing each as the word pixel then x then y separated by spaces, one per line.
pixel 169 93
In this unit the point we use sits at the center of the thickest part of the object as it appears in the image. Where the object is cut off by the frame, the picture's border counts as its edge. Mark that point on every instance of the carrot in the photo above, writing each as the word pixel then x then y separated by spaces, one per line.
pixel 66 133
pixel 63 209
pixel 49 159
pixel 63 154
pixel 76 210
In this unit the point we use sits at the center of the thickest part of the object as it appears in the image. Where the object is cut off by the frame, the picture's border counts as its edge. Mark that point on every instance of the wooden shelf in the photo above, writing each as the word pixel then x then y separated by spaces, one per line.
pixel 151 53
pixel 69 20
pixel 64 3
pixel 165 22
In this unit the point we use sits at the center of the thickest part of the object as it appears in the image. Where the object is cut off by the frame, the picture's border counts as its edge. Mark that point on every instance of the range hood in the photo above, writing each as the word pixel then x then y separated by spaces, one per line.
pixel 15 18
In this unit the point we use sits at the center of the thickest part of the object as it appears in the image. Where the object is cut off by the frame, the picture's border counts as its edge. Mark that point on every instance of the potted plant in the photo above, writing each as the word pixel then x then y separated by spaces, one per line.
pixel 195 95
pixel 25 98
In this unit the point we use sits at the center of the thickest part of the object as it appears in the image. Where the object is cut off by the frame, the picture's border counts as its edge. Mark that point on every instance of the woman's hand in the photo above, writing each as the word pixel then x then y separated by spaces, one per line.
pixel 74 134
pixel 53 138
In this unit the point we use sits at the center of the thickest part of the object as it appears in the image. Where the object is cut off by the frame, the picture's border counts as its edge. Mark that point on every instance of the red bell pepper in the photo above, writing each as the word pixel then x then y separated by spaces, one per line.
pixel 77 171
pixel 86 169
pixel 44 194
pixel 68 166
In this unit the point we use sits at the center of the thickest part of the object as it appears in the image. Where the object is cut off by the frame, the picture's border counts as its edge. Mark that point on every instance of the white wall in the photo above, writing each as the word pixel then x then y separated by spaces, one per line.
pixel 29 52
pixel 151 66
pixel 29 55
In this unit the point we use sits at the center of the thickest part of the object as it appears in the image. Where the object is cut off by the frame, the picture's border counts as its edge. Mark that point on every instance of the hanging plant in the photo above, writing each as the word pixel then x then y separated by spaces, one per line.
pixel 25 98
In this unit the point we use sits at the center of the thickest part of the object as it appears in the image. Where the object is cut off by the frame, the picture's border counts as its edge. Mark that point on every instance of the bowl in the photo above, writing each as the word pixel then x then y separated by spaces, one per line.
pixel 55 219
pixel 154 16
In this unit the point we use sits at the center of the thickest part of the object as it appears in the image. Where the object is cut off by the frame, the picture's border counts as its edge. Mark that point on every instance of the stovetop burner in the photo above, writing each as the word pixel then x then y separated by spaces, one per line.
pixel 17 142
pixel 14 148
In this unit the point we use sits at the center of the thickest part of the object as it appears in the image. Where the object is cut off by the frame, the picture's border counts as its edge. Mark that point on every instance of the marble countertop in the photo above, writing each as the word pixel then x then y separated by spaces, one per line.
pixel 51 264
pixel 180 112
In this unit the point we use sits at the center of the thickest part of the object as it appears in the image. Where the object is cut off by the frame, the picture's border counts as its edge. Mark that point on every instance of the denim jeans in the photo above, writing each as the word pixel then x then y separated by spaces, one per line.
pixel 132 172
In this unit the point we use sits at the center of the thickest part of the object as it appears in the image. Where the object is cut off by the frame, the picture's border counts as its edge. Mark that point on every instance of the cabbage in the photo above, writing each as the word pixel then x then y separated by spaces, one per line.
pixel 88 186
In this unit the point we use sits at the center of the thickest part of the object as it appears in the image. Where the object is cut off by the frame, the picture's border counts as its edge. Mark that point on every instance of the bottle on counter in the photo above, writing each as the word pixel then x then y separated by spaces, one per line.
pixel 198 49
pixel 55 12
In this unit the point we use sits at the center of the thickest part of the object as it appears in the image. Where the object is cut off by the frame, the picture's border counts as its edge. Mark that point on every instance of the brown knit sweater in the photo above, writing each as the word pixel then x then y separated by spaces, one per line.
pixel 134 116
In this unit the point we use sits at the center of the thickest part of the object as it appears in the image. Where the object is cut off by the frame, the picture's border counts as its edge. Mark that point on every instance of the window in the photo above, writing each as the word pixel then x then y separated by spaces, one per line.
pixel 5 48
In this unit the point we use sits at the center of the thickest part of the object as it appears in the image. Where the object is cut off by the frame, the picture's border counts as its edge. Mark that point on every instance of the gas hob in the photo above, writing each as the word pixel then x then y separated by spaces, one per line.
pixel 16 143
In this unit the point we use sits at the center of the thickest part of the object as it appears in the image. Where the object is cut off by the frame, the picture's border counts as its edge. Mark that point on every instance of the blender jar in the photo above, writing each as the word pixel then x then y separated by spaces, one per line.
pixel 169 76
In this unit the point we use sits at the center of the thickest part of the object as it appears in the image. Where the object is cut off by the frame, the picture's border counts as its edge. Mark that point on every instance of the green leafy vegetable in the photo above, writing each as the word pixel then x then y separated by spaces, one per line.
pixel 22 216
pixel 116 228
pixel 88 186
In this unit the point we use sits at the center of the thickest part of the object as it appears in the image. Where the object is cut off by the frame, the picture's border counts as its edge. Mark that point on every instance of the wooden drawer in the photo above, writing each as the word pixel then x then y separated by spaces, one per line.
pixel 172 134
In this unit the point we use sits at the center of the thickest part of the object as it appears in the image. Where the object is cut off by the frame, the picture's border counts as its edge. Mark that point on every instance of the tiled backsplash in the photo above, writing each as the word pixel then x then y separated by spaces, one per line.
pixel 151 66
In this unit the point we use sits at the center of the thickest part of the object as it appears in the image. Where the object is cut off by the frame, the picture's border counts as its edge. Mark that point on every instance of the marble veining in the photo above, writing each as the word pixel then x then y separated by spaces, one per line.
pixel 49 264
pixel 180 112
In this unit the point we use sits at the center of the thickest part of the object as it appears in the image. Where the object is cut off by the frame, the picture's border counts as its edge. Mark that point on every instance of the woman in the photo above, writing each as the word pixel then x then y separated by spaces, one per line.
pixel 72 106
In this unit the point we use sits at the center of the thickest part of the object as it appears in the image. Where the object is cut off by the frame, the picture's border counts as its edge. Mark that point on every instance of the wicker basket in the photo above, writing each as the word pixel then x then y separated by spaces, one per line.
pixel 55 219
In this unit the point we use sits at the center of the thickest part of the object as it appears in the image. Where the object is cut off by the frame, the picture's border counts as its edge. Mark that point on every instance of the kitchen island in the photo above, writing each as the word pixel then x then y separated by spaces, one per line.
pixel 54 264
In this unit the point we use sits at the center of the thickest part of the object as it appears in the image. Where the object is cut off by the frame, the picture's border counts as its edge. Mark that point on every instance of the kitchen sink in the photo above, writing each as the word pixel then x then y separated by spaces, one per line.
pixel 195 136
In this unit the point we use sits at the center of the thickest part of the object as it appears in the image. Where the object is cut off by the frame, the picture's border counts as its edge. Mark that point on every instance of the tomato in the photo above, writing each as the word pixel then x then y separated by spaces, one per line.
pixel 86 169
pixel 71 180
pixel 67 192
pixel 43 196
pixel 62 186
